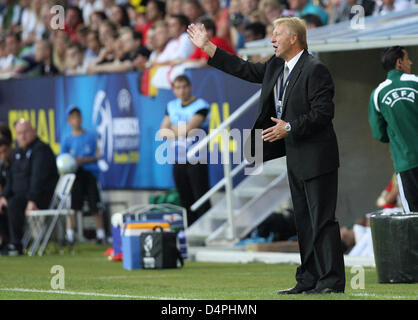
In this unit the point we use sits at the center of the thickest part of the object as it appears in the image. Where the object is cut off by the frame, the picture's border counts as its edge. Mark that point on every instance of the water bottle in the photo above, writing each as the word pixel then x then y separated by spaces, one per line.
pixel 182 244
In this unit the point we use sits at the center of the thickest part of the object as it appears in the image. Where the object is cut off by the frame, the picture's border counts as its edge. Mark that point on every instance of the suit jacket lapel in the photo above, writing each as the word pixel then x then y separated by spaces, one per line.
pixel 278 70
pixel 267 90
pixel 294 75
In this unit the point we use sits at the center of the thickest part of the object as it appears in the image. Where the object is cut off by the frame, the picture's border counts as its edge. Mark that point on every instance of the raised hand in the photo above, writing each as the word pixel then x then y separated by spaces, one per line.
pixel 198 35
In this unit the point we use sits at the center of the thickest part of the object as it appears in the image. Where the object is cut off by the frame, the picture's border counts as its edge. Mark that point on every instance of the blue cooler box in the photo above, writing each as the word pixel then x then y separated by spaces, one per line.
pixel 131 247
pixel 174 217
pixel 116 221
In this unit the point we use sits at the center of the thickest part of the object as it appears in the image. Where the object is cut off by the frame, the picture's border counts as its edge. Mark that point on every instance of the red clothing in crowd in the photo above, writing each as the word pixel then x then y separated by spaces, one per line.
pixel 219 42
pixel 223 25
pixel 72 32
pixel 144 29
pixel 388 205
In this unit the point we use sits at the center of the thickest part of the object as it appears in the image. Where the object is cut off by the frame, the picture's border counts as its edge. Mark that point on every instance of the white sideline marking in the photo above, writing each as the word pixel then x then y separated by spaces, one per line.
pixel 384 296
pixel 94 294
pixel 132 276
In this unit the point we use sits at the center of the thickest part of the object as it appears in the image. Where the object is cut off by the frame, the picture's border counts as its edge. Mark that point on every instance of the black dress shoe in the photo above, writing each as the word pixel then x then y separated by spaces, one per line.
pixel 295 290
pixel 323 291
pixel 14 250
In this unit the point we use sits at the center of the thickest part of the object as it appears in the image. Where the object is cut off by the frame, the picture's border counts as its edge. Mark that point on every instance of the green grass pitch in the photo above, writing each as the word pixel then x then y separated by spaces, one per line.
pixel 89 275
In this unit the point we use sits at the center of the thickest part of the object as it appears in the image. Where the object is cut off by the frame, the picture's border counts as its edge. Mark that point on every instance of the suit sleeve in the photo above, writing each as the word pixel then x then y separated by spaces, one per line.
pixel 41 166
pixel 229 63
pixel 377 123
pixel 320 92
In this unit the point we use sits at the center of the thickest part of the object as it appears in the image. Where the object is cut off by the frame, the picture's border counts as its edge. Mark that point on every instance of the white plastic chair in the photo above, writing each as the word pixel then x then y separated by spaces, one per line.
pixel 43 222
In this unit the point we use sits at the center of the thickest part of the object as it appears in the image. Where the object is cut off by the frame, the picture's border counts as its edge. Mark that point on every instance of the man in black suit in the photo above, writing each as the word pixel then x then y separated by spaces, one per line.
pixel 30 185
pixel 295 117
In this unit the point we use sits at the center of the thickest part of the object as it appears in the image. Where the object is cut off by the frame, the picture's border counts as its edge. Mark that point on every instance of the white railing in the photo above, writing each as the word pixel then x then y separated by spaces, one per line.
pixel 222 129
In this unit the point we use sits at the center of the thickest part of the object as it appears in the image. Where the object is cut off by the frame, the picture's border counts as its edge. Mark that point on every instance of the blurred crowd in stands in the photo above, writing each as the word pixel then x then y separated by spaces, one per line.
pixel 102 36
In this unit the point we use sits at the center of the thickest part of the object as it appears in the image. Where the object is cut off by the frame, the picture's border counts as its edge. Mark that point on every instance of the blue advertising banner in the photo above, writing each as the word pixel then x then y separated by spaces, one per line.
pixel 125 120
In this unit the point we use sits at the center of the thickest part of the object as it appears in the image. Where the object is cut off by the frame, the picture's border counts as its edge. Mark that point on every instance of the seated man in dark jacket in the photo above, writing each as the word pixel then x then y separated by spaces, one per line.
pixel 6 150
pixel 31 183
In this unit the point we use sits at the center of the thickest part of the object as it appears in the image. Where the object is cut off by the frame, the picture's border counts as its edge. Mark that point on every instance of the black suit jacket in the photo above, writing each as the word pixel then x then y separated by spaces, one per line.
pixel 311 147
pixel 33 174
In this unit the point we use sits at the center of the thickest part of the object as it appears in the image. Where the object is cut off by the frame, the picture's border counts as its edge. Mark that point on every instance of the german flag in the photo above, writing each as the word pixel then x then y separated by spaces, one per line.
pixel 147 89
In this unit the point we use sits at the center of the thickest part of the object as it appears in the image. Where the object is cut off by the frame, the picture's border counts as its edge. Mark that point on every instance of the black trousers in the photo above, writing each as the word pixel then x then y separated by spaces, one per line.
pixel 12 221
pixel 321 253
pixel 85 187
pixel 192 182
pixel 408 189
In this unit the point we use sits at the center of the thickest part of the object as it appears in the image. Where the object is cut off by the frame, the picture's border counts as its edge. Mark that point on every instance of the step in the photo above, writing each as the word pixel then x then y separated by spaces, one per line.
pixel 272 170
pixel 222 214
pixel 228 255
pixel 248 192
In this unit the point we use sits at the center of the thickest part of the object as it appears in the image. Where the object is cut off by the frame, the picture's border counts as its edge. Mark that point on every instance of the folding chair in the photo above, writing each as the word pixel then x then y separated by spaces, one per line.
pixel 43 222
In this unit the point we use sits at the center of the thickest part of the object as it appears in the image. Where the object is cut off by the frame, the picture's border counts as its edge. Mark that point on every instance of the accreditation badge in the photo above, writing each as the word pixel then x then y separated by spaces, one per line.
pixel 279 108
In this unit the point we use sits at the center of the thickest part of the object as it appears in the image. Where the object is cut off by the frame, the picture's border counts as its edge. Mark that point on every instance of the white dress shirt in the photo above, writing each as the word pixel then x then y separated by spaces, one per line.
pixel 292 62
pixel 290 65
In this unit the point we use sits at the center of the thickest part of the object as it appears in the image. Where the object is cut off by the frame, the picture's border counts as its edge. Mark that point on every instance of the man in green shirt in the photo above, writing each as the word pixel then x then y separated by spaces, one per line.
pixel 393 118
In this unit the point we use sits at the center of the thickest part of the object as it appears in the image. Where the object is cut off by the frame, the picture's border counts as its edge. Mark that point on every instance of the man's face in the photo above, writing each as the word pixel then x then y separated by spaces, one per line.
pixel 211 6
pixel 5 152
pixel 176 7
pixel 248 6
pixel 191 11
pixel 25 134
pixel 174 28
pixel 151 39
pixel 95 21
pixel 271 13
pixel 116 15
pixel 297 4
pixel 12 46
pixel 74 119
pixel 405 63
pixel 40 52
pixel 282 41
pixel 92 42
pixel 128 42
pixel 160 38
pixel 104 32
pixel 182 90
pixel 74 57
pixel 152 12
pixel 71 18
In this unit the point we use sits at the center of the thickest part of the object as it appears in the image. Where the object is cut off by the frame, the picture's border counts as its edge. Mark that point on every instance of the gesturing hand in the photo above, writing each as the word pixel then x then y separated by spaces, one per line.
pixel 198 35
pixel 3 203
pixel 30 207
pixel 276 132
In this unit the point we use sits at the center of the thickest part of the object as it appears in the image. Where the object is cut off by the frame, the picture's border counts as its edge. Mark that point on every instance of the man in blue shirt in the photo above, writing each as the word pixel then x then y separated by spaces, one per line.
pixel 183 115
pixel 82 145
